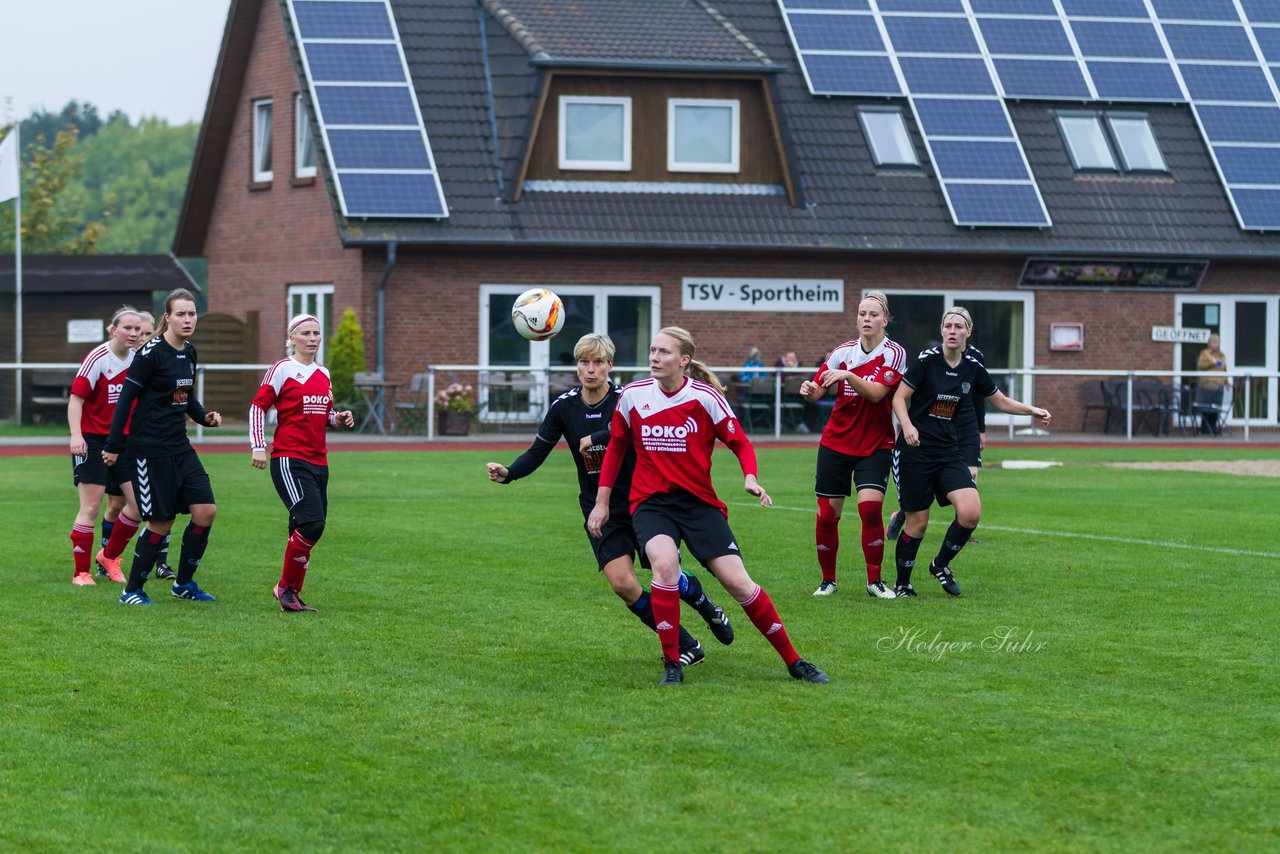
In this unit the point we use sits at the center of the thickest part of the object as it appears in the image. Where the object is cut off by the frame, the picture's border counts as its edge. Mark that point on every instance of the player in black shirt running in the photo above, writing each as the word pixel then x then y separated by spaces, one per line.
pixel 927 461
pixel 167 475
pixel 582 416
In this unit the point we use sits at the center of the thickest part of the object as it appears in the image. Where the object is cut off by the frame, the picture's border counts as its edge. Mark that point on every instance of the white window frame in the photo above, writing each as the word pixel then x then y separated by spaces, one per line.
pixel 301 136
pixel 540 351
pixel 1028 299
pixel 863 112
pixel 319 292
pixel 261 143
pixel 1107 145
pixel 1227 335
pixel 1112 118
pixel 623 165
pixel 735 143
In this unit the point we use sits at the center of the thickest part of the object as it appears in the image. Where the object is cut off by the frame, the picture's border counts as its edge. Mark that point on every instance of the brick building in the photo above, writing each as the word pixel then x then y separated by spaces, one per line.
pixel 641 157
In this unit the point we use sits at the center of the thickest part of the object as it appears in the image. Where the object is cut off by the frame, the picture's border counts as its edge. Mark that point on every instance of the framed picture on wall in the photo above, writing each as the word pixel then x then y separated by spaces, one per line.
pixel 1066 336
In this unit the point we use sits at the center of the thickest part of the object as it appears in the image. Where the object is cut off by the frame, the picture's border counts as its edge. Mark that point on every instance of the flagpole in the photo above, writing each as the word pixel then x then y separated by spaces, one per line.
pixel 17 272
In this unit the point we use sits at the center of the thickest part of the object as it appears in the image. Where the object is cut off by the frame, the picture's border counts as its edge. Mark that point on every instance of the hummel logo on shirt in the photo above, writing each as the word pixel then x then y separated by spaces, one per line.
pixel 665 626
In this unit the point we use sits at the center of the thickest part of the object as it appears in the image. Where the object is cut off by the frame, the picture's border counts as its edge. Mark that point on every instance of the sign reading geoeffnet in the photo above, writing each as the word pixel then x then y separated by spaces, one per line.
pixel 795 295
pixel 1176 335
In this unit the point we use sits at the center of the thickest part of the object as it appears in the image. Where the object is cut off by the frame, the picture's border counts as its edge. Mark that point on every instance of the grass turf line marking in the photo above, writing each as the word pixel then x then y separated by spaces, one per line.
pixel 1068 534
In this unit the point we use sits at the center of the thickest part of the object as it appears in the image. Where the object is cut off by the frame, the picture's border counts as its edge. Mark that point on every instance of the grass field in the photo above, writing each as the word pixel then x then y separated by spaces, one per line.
pixel 471 684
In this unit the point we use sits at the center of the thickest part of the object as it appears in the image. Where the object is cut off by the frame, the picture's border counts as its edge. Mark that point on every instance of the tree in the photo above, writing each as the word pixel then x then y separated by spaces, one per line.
pixel 345 357
pixel 140 175
pixel 53 205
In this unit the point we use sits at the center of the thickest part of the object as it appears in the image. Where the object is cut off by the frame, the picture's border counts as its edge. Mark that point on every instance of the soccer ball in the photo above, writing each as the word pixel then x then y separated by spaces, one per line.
pixel 538 314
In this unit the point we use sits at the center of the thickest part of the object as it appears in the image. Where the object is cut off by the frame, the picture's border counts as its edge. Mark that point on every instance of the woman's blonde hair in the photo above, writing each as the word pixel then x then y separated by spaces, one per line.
pixel 695 369
pixel 962 313
pixel 879 297
pixel 121 312
pixel 594 345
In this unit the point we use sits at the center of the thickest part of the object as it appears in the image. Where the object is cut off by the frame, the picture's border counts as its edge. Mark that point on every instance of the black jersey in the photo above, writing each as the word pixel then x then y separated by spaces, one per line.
pixel 971 417
pixel 939 392
pixel 162 380
pixel 570 416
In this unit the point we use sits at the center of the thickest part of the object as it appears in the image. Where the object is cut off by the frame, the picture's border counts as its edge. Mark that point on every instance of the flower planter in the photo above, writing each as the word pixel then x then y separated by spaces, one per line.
pixel 453 423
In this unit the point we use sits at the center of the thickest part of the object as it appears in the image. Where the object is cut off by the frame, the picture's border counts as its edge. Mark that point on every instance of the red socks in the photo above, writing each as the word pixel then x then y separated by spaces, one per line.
pixel 121 533
pixel 765 617
pixel 827 533
pixel 666 613
pixel 297 554
pixel 81 547
pixel 872 537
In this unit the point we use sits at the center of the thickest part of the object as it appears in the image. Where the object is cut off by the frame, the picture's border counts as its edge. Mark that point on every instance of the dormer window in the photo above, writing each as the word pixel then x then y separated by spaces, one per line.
pixel 703 135
pixel 886 133
pixel 1094 141
pixel 595 133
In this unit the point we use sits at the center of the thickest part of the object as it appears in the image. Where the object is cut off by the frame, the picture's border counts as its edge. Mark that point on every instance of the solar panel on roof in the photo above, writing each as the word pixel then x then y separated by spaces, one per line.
pixel 1050 79
pixel 1198 10
pixel 1026 36
pixel 374 137
pixel 1118 38
pixel 1202 41
pixel 1220 56
pixel 1226 83
pixel 817 31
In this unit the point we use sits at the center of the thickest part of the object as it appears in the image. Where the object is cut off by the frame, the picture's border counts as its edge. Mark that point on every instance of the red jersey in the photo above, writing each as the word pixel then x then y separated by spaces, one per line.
pixel 303 400
pixel 858 427
pixel 98 384
pixel 673 435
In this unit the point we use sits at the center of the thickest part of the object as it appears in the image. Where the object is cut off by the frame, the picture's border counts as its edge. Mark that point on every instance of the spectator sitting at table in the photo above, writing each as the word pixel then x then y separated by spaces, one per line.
pixel 1209 389
pixel 753 361
pixel 788 360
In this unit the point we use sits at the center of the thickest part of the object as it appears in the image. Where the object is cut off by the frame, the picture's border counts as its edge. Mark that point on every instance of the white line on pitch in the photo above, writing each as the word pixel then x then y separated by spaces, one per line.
pixel 1068 534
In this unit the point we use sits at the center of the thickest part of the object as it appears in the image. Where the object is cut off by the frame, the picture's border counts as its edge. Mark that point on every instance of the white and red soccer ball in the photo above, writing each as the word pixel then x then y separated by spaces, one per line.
pixel 537 314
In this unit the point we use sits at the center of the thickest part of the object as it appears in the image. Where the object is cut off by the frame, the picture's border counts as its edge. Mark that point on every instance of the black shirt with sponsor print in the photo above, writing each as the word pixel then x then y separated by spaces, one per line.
pixel 571 417
pixel 940 391
pixel 972 417
pixel 162 381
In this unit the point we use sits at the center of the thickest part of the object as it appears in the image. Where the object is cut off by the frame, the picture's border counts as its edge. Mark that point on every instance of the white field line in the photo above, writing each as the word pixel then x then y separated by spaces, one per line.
pixel 1066 534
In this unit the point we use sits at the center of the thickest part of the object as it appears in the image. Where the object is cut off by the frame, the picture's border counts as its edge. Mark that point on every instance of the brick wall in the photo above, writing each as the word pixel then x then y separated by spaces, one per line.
pixel 263 238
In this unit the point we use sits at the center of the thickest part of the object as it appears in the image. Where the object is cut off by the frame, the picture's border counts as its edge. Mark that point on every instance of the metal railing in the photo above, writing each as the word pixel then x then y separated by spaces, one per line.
pixel 1017 381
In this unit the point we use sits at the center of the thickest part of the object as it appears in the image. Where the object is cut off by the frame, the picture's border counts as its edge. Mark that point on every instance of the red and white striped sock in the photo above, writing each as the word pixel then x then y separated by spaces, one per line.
pixel 666 614
pixel 121 534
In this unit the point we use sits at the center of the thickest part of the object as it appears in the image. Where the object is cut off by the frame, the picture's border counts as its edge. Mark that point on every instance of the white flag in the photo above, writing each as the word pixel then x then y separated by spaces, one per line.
pixel 9 166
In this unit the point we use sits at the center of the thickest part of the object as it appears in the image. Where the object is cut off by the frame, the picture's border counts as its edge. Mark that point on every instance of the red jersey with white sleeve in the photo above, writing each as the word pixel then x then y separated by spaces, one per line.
pixel 98 384
pixel 673 435
pixel 858 427
pixel 303 399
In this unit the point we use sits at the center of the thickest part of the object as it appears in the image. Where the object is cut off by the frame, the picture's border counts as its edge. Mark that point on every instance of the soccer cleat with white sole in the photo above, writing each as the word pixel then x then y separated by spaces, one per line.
pixel 137 597
pixel 191 592
pixel 877 590
pixel 904 591
pixel 826 588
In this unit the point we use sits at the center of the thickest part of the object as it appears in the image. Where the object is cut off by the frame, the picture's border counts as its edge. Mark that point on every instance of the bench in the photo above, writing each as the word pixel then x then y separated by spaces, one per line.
pixel 50 392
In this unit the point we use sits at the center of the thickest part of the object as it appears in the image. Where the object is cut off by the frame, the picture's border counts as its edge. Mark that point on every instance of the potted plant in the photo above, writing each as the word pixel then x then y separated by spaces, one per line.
pixel 454 406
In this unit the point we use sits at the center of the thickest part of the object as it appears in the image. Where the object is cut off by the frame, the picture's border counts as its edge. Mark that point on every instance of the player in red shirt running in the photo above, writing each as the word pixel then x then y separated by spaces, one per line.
pixel 857 444
pixel 673 420
pixel 90 406
pixel 298 387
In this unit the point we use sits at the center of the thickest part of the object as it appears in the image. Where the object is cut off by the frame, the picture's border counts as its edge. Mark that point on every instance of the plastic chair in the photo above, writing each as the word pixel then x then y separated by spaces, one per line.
pixel 1093 398
pixel 411 414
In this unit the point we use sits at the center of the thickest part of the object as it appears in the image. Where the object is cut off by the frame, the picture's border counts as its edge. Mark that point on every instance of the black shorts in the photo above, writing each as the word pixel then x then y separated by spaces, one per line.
pixel 304 489
pixel 922 480
pixel 841 475
pixel 685 518
pixel 165 486
pixel 971 449
pixel 89 467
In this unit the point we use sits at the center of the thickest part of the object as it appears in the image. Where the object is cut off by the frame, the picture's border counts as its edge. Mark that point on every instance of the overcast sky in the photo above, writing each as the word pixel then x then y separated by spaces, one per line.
pixel 145 57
